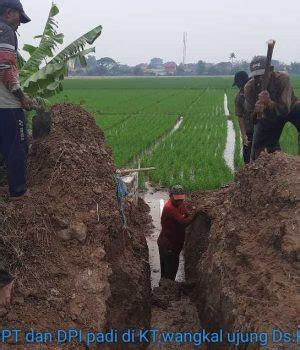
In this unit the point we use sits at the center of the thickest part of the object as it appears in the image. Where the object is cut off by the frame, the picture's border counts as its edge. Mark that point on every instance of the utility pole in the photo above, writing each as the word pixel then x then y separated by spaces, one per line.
pixel 184 48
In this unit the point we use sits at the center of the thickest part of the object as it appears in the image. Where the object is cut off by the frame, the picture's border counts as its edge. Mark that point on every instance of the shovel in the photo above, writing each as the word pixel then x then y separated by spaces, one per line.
pixel 41 123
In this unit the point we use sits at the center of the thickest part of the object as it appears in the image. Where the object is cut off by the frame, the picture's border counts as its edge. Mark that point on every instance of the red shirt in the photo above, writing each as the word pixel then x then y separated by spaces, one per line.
pixel 9 74
pixel 173 223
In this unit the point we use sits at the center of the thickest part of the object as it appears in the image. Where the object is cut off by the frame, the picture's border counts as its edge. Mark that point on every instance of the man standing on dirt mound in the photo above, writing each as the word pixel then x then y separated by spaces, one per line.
pixel 13 131
pixel 174 219
pixel 245 119
pixel 277 105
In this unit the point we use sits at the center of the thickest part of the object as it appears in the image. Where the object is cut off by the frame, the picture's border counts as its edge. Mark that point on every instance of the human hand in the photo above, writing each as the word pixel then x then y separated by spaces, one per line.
pixel 264 98
pixel 204 209
pixel 201 210
pixel 259 108
pixel 192 210
pixel 245 140
pixel 28 104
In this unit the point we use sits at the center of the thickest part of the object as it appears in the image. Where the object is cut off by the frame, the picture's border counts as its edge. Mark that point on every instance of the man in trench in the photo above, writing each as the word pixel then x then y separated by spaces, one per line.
pixel 13 131
pixel 273 107
pixel 245 119
pixel 174 220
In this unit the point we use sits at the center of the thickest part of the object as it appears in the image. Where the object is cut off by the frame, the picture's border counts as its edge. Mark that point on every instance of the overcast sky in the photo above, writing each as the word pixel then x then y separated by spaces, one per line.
pixel 134 31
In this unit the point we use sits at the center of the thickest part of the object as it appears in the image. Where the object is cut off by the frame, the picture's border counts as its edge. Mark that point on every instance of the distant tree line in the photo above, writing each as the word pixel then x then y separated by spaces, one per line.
pixel 107 66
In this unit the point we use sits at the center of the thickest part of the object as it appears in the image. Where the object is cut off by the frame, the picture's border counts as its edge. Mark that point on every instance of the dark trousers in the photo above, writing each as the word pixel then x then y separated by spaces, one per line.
pixel 267 132
pixel 267 135
pixel 294 117
pixel 3 176
pixel 247 149
pixel 169 263
pixel 14 148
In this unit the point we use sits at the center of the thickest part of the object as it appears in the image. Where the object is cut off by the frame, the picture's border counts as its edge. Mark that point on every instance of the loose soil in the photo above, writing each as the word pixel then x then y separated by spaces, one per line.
pixel 244 255
pixel 75 265
pixel 173 312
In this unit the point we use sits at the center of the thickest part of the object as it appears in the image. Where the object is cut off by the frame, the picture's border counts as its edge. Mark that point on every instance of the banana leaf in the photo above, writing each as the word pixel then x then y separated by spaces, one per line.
pixel 78 45
pixel 48 43
pixel 43 82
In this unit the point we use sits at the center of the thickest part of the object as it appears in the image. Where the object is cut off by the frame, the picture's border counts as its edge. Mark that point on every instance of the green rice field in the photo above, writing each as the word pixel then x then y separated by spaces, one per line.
pixel 136 112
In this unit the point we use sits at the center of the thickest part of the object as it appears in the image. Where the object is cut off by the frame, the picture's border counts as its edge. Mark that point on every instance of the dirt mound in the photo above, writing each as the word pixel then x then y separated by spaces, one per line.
pixel 248 257
pixel 75 265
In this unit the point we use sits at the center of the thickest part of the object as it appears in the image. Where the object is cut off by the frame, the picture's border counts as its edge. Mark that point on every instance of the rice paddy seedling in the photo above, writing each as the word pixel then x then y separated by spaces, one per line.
pixel 137 113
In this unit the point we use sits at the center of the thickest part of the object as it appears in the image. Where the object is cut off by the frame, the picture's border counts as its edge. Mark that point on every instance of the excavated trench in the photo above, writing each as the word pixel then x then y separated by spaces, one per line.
pixel 178 307
pixel 156 200
pixel 78 268
pixel 241 263
pixel 172 309
pixel 240 270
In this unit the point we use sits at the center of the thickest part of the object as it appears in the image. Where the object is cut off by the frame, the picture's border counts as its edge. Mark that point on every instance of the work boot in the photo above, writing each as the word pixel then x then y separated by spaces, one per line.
pixel 3 191
pixel 25 195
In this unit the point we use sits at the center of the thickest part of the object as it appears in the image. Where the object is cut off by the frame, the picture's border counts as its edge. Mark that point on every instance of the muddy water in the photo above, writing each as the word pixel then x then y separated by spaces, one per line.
pixel 156 201
pixel 230 146
pixel 230 143
pixel 226 109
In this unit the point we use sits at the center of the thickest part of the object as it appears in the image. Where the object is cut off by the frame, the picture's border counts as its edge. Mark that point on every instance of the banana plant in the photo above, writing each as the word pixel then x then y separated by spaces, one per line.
pixel 42 74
